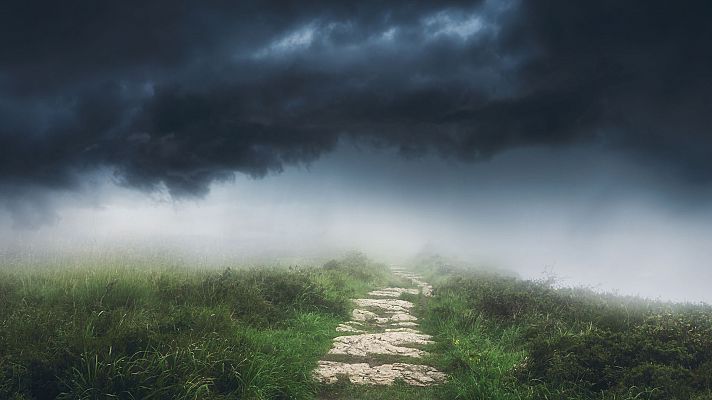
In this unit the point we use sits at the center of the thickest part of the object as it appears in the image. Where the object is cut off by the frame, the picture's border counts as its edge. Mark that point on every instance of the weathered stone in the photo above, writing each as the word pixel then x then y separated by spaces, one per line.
pixel 386 374
pixel 348 328
pixel 388 343
pixel 388 305
pixel 402 330
pixel 399 339
pixel 363 315
pixel 393 292
pixel 406 323
pixel 401 317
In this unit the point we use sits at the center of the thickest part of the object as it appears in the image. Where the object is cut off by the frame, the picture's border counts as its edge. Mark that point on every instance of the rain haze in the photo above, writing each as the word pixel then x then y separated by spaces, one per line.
pixel 538 137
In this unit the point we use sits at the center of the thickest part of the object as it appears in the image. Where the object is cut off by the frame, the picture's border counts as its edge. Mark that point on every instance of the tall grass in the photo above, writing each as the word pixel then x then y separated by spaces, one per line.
pixel 504 338
pixel 165 332
pixel 136 330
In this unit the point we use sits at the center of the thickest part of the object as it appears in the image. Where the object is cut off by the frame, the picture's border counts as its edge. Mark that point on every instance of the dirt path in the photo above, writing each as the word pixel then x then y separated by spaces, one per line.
pixel 382 342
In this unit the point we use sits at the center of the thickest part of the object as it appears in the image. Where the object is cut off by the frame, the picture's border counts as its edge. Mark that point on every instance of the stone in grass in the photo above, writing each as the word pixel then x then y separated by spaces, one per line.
pixel 398 319
pixel 386 374
pixel 368 316
pixel 363 315
pixel 388 343
pixel 387 305
pixel 405 324
pixel 392 292
pixel 402 330
pixel 347 327
pixel 402 317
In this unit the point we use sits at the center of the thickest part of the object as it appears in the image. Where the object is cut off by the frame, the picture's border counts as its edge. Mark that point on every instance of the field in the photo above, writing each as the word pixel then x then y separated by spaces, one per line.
pixel 161 331
pixel 504 338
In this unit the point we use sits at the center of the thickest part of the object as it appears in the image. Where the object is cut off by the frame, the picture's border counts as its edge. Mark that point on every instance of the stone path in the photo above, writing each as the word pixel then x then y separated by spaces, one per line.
pixel 381 342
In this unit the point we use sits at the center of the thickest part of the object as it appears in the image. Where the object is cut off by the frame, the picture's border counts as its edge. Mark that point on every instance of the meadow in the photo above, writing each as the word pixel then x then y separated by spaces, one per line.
pixel 500 337
pixel 167 332
pixel 137 330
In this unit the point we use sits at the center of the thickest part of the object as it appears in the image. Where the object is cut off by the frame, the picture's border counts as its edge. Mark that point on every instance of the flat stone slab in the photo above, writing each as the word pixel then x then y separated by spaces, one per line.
pixel 363 315
pixel 386 374
pixel 388 343
pixel 393 292
pixel 368 316
pixel 401 338
pixel 348 327
pixel 402 317
pixel 397 318
pixel 387 305
pixel 406 324
pixel 402 330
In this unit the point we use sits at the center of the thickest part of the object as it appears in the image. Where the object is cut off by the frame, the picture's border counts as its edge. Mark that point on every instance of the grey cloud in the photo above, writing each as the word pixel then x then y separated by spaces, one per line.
pixel 179 94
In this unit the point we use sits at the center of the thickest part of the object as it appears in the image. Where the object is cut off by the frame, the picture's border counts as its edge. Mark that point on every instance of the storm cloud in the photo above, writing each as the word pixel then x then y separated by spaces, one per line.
pixel 177 95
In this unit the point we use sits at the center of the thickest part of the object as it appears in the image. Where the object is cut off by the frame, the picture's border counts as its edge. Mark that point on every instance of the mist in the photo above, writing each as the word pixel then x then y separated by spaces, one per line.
pixel 589 219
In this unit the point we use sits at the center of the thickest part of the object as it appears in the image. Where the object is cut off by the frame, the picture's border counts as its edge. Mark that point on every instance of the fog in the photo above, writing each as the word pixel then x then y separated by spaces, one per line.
pixel 599 221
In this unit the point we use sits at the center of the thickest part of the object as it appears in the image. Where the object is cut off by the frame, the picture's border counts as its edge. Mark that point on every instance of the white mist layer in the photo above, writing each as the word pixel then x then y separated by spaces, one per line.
pixel 590 220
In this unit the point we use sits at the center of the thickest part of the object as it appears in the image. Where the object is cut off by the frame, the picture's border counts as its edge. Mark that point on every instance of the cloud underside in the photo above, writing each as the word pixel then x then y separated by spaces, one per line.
pixel 181 95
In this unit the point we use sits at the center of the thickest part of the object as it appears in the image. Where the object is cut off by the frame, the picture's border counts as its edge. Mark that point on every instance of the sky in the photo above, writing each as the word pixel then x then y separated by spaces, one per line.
pixel 538 136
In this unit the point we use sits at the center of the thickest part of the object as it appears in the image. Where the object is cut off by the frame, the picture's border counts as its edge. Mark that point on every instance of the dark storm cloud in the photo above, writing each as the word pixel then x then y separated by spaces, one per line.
pixel 181 94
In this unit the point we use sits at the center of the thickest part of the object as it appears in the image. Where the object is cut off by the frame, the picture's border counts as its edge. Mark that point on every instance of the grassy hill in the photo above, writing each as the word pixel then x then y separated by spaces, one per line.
pixel 161 332
pixel 505 338
pixel 140 331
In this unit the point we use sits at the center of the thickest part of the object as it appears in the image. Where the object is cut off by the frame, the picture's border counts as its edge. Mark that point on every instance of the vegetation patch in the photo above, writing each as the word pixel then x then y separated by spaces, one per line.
pixel 500 337
pixel 147 331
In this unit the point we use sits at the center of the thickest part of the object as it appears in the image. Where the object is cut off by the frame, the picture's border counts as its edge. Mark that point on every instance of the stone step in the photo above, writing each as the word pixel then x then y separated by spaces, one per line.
pixel 382 332
pixel 385 374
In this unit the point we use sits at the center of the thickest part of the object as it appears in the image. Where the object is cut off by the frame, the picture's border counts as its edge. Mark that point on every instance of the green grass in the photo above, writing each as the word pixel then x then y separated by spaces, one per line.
pixel 398 391
pixel 163 332
pixel 500 337
pixel 131 329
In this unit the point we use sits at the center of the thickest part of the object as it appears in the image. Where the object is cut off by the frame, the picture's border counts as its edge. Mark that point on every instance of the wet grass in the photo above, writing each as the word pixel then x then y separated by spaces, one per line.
pixel 163 332
pixel 398 391
pixel 158 331
pixel 499 337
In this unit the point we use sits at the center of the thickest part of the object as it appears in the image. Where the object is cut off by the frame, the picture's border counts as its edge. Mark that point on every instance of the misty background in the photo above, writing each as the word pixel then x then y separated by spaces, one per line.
pixel 590 220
